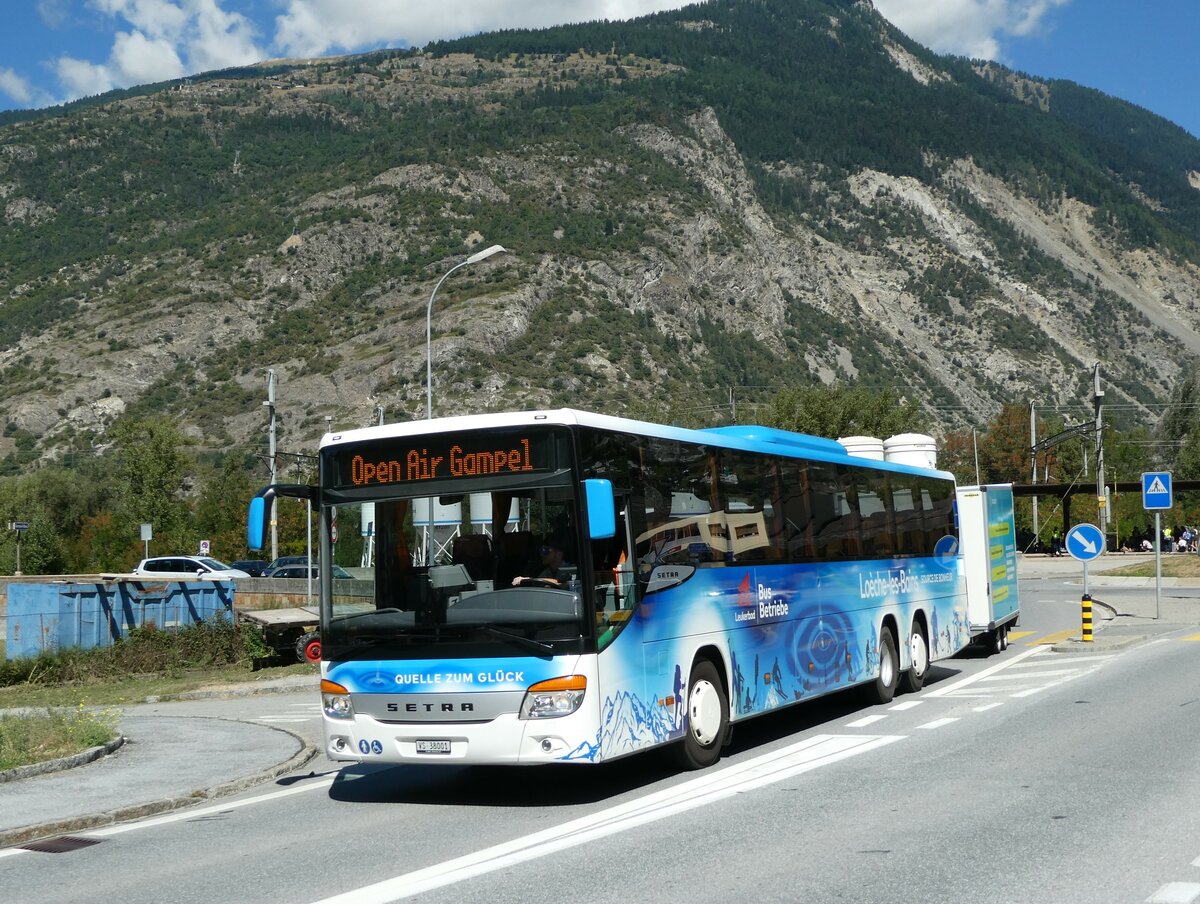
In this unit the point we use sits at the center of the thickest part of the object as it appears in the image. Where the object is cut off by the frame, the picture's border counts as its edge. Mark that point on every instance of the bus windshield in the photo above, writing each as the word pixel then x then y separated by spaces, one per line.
pixel 487 565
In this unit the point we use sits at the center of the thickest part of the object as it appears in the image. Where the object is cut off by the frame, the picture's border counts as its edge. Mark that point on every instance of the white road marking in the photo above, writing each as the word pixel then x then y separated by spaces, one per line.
pixel 1027 675
pixel 985 707
pixel 901 707
pixel 188 813
pixel 864 721
pixel 1196 862
pixel 938 723
pixel 971 679
pixel 821 750
pixel 1176 893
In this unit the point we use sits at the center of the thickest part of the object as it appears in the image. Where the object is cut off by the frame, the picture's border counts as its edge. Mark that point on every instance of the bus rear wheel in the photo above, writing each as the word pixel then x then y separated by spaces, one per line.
pixel 883 689
pixel 918 648
pixel 706 718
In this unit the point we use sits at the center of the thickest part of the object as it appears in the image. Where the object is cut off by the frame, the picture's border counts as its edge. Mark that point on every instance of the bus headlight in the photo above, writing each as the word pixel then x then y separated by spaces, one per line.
pixel 335 700
pixel 554 698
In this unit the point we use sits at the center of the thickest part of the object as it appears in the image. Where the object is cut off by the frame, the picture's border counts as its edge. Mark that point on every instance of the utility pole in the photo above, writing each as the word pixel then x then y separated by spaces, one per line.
pixel 270 405
pixel 1101 498
pixel 1033 454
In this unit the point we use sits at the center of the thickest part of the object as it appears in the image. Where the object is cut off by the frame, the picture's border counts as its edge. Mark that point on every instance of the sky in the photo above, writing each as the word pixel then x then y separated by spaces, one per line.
pixel 57 50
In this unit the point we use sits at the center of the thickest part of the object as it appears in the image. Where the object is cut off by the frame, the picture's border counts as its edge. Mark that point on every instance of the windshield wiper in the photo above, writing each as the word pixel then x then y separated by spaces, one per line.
pixel 519 639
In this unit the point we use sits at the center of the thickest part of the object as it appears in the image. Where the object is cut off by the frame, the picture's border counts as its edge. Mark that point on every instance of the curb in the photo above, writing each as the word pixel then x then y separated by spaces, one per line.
pixel 67 762
pixel 25 834
pixel 1098 645
pixel 248 690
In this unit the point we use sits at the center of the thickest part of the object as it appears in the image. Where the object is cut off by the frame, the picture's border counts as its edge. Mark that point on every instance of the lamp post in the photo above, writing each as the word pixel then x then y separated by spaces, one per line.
pixel 473 259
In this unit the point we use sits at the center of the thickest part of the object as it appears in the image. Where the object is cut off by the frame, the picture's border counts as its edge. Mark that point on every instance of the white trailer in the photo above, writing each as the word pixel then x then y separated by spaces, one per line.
pixel 987 531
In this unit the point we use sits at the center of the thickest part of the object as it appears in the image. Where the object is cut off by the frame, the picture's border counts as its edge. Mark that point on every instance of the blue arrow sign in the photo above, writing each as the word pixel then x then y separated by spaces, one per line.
pixel 1085 542
pixel 1156 490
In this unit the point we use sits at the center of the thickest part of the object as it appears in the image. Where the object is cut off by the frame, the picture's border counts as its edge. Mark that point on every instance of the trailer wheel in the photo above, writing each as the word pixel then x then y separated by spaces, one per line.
pixel 308 647
pixel 884 687
pixel 997 641
pixel 918 647
pixel 706 716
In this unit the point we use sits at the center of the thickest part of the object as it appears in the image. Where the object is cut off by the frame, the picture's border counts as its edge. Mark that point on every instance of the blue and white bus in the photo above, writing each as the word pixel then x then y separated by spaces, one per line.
pixel 637 585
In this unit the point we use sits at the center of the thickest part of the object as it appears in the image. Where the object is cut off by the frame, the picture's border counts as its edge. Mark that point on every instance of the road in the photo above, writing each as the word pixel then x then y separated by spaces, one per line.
pixel 1031 775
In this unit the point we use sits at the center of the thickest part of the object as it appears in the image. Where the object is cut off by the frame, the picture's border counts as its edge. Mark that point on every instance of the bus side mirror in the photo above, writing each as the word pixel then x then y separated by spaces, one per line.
pixel 601 509
pixel 258 518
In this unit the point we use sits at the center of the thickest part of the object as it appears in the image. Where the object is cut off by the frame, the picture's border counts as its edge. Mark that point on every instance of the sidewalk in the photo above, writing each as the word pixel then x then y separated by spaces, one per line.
pixel 166 762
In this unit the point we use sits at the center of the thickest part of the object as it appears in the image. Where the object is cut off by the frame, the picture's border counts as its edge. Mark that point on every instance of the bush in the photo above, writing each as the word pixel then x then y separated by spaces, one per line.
pixel 146 650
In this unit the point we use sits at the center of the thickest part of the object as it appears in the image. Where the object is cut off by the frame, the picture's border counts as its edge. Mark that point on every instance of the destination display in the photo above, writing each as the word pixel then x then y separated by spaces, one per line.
pixel 461 456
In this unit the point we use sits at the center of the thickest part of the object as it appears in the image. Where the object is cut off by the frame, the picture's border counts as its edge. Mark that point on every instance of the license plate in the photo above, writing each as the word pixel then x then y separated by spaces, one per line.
pixel 440 745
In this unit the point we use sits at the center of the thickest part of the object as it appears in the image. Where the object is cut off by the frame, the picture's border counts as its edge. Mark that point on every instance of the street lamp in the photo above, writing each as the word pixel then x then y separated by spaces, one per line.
pixel 473 259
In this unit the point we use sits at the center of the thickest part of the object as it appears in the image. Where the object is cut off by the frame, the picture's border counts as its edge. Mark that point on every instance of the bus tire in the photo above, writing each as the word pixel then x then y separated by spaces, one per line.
pixel 706 718
pixel 918 649
pixel 883 689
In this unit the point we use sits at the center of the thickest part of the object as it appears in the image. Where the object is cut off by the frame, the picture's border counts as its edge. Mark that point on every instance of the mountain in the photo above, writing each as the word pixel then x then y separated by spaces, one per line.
pixel 702 207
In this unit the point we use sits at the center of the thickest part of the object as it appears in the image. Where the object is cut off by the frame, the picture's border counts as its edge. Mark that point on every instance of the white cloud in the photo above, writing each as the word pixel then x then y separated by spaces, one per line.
pixel 314 27
pixel 972 28
pixel 166 39
pixel 16 87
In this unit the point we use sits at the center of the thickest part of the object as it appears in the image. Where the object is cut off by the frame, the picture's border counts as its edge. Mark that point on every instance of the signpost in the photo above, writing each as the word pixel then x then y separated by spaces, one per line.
pixel 1157 494
pixel 1084 543
pixel 20 527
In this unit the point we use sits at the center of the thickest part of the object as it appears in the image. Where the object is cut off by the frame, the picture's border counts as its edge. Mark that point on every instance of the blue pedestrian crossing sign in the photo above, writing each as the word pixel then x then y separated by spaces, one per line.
pixel 1156 490
pixel 1085 542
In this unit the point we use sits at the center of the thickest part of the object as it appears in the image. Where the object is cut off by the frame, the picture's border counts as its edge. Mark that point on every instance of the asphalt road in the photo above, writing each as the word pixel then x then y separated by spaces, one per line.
pixel 1032 775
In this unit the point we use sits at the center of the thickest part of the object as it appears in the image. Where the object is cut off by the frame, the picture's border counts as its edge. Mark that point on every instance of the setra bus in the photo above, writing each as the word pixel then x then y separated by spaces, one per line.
pixel 606 585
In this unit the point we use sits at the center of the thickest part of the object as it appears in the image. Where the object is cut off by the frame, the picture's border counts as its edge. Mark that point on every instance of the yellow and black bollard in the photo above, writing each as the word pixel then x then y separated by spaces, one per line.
pixel 1086 604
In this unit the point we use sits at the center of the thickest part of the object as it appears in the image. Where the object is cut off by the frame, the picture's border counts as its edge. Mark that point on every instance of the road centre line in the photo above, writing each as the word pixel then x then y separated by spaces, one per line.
pixel 938 723
pixel 971 679
pixel 812 753
pixel 864 721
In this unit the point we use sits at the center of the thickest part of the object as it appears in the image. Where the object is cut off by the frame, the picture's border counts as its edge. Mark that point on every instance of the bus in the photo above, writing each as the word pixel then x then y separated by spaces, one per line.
pixel 630 585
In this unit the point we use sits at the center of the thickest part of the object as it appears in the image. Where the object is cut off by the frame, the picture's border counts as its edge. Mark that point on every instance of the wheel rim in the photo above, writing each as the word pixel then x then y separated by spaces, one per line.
pixel 312 652
pixel 887 665
pixel 704 712
pixel 920 653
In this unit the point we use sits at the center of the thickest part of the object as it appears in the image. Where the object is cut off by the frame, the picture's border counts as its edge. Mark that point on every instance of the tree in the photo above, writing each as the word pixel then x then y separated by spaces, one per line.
pixel 151 471
pixel 835 411
pixel 221 508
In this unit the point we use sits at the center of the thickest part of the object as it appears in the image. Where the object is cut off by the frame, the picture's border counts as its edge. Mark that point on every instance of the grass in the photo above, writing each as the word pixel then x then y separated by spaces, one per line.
pixel 137 688
pixel 27 738
pixel 1174 565
pixel 59 698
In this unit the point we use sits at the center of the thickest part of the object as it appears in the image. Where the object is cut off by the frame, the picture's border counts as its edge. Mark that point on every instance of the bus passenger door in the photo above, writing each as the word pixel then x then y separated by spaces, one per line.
pixel 620 666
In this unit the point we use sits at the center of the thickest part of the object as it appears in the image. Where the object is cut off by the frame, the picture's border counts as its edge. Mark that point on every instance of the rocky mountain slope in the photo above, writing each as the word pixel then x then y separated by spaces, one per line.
pixel 702 207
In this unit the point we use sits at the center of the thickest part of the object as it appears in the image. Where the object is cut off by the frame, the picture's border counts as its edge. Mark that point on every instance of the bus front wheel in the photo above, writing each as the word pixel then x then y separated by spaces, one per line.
pixel 706 718
pixel 884 686
pixel 918 647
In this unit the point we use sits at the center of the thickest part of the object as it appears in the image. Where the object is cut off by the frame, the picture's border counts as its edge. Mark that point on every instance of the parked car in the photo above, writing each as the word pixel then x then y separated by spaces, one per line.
pixel 285 560
pixel 187 567
pixel 300 571
pixel 252 567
